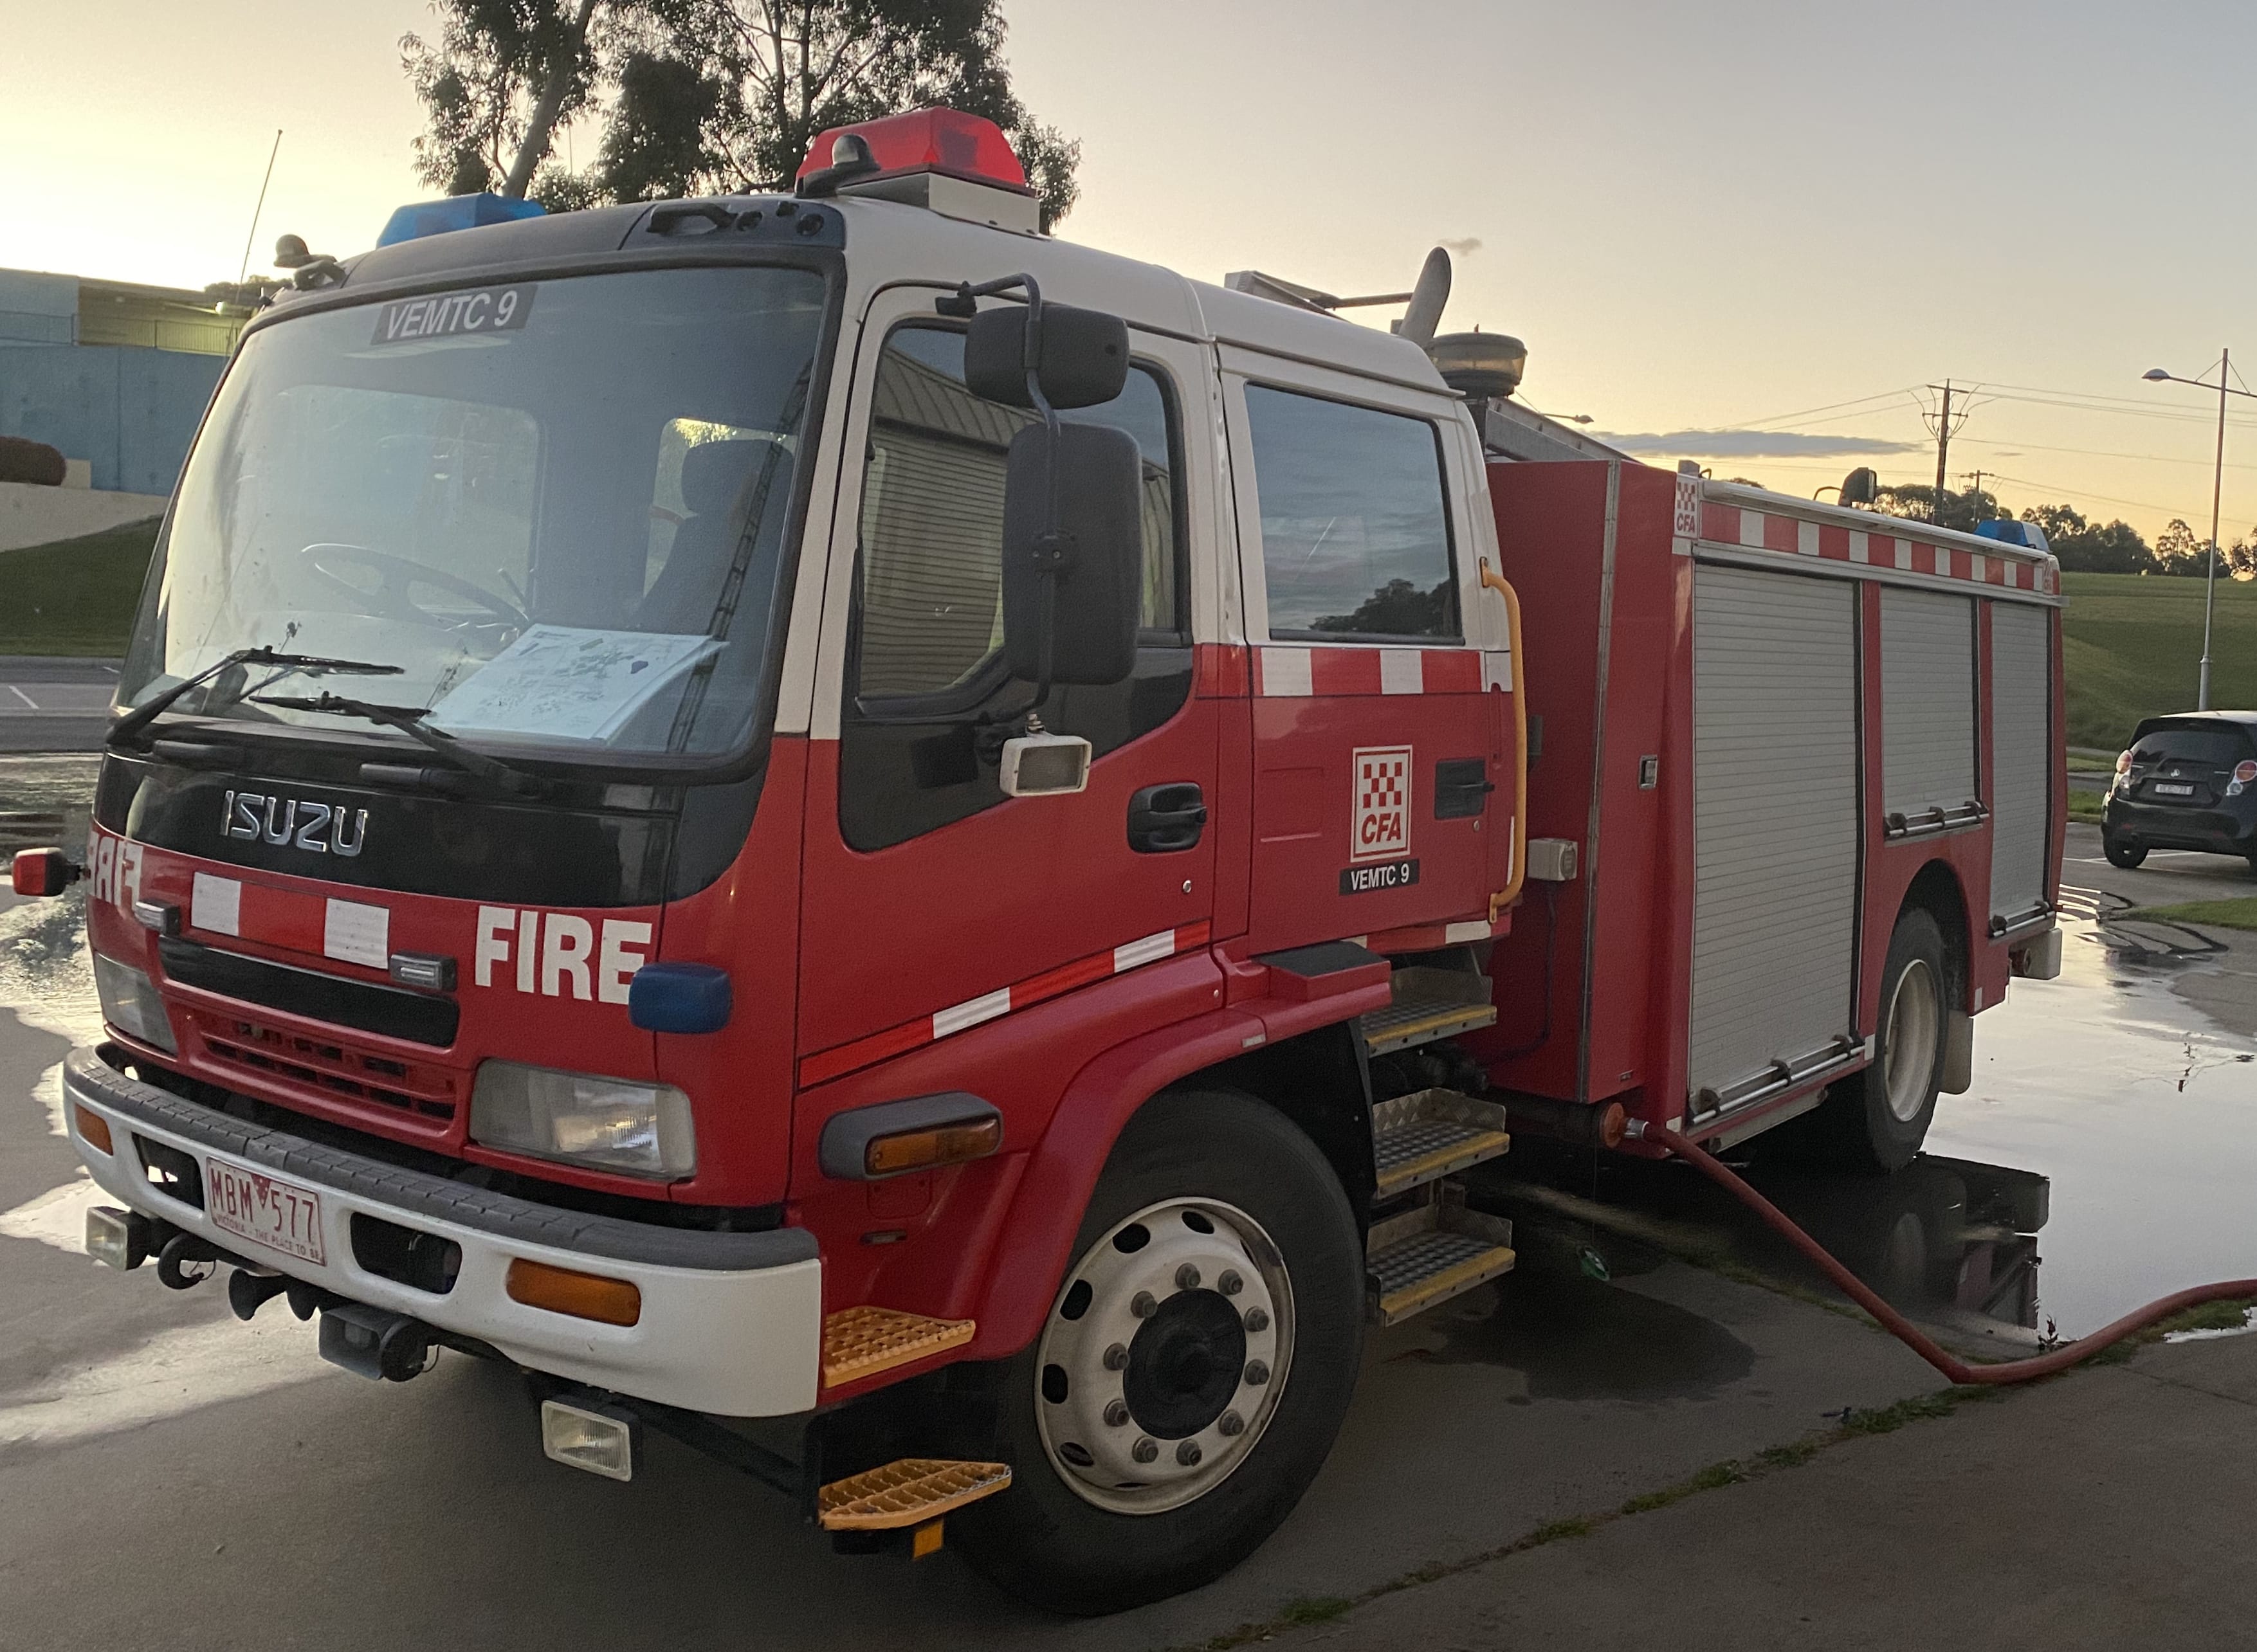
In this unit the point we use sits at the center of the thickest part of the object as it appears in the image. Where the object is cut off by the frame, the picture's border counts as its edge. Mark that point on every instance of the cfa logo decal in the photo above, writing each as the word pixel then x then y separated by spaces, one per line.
pixel 1379 826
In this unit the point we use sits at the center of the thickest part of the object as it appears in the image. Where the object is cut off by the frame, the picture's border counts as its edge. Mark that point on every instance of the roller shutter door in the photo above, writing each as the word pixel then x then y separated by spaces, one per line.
pixel 1928 701
pixel 1774 821
pixel 2021 770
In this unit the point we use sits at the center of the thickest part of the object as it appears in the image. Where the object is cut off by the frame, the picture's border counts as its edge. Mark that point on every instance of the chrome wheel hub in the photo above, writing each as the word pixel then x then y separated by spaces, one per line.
pixel 1915 1017
pixel 1163 1357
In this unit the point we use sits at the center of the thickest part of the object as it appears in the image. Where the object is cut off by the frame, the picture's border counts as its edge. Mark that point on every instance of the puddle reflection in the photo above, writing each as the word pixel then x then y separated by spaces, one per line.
pixel 2106 1135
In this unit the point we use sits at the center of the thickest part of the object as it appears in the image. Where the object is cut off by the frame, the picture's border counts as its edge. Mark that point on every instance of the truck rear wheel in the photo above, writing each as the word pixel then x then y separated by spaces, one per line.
pixel 1193 1368
pixel 1876 1120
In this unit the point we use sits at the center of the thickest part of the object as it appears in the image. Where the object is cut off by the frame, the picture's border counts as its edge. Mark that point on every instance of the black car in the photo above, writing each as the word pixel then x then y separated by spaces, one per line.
pixel 2188 782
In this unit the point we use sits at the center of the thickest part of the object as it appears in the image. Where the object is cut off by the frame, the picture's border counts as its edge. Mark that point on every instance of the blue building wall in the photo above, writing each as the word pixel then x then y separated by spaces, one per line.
pixel 130 412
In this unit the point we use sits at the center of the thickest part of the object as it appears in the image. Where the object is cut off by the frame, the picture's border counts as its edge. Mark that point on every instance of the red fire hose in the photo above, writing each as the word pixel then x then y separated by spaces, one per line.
pixel 1958 1370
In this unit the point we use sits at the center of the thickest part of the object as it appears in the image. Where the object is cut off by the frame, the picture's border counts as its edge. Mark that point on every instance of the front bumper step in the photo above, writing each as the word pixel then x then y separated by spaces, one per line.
pixel 911 1492
pixel 863 1341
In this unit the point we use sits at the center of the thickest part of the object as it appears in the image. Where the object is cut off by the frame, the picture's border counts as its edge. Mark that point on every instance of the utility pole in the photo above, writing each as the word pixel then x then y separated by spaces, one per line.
pixel 2216 491
pixel 1943 448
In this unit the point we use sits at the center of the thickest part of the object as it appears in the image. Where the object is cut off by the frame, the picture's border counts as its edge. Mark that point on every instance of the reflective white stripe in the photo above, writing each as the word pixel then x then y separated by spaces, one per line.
pixel 1751 529
pixel 986 1008
pixel 216 904
pixel 354 932
pixel 1857 547
pixel 1150 950
pixel 1474 930
pixel 1904 554
pixel 1497 670
pixel 1805 538
pixel 1402 671
pixel 1285 671
pixel 1974 566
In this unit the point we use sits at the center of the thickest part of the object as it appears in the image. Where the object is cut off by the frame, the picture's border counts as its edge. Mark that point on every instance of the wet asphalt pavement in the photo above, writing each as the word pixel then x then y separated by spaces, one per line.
pixel 54 704
pixel 170 1477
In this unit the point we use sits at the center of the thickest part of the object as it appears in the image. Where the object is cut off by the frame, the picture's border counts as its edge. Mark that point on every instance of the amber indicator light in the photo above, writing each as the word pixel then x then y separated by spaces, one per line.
pixel 608 1301
pixel 93 1128
pixel 923 1149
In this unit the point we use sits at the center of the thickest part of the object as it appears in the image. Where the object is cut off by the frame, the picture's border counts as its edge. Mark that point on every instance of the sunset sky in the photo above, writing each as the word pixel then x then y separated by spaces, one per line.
pixel 1746 231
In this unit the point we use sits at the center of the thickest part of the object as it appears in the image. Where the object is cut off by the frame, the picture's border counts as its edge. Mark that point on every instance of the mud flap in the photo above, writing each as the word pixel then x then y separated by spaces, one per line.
pixel 1958 1054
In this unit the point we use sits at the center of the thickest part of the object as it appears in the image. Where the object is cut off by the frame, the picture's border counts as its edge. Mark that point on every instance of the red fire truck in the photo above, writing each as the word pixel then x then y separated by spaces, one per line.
pixel 824 807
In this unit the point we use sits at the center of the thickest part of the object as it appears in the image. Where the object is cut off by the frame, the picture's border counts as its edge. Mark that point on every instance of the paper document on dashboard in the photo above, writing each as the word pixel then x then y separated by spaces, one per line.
pixel 565 682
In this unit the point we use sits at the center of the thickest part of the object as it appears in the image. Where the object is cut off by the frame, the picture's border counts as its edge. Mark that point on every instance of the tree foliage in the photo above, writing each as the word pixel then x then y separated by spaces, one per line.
pixel 704 96
pixel 503 75
pixel 2091 547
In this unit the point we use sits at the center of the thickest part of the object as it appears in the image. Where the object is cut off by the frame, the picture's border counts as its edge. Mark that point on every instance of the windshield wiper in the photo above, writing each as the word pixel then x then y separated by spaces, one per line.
pixel 409 720
pixel 141 717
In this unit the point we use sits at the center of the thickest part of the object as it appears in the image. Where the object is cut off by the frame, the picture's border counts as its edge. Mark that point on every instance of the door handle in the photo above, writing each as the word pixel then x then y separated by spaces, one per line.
pixel 1166 820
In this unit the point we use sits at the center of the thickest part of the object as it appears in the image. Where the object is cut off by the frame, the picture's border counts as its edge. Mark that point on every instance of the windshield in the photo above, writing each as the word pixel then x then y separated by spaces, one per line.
pixel 557 507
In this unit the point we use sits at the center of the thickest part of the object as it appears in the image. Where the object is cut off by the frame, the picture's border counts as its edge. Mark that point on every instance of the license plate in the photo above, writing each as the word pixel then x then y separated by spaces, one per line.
pixel 2161 789
pixel 280 1215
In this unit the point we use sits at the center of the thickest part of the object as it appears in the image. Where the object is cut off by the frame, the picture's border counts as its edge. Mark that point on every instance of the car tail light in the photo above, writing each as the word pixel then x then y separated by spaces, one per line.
pixel 2123 762
pixel 2245 770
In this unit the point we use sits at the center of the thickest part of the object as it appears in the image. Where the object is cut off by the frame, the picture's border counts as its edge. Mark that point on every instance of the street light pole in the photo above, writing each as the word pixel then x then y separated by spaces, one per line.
pixel 2216 491
pixel 2217 494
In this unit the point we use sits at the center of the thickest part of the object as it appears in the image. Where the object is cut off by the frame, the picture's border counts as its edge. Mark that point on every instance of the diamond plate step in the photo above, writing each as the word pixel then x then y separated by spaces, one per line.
pixel 860 1342
pixel 1429 1254
pixel 1429 1004
pixel 908 1492
pixel 1430 1134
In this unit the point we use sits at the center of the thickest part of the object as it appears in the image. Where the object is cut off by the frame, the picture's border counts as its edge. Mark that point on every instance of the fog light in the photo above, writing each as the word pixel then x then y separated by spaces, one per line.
pixel 119 1238
pixel 599 1438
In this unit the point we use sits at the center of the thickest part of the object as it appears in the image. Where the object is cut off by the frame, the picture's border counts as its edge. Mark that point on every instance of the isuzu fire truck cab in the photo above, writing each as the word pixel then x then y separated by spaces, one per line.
pixel 825 807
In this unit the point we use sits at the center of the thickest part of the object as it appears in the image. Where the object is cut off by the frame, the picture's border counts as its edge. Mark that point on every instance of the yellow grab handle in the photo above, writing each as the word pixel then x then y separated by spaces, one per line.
pixel 1511 892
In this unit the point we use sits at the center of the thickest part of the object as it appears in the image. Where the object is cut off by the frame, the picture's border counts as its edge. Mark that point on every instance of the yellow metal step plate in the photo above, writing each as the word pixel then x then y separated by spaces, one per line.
pixel 860 1342
pixel 909 1493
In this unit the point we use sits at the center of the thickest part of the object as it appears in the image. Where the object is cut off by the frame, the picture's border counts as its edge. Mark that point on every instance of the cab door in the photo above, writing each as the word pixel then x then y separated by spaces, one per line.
pixel 932 902
pixel 1378 765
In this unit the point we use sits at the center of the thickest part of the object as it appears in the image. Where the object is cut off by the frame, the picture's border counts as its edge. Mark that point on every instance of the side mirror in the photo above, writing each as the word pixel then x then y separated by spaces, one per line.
pixel 1078 358
pixel 1074 553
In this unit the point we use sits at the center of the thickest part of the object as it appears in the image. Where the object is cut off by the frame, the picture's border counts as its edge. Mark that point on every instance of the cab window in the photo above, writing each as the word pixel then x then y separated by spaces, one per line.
pixel 1355 531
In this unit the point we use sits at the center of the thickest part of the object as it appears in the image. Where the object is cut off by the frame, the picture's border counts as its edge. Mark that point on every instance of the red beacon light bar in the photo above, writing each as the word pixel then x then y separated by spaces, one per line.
pixel 938 158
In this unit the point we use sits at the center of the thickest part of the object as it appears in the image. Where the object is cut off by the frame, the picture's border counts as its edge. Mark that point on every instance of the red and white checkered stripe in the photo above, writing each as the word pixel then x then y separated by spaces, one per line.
pixel 1769 530
pixel 899 1041
pixel 1286 671
pixel 346 931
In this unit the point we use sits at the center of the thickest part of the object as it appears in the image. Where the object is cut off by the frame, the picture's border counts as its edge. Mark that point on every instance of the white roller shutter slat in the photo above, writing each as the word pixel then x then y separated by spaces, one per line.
pixel 1774 820
pixel 1928 701
pixel 2021 766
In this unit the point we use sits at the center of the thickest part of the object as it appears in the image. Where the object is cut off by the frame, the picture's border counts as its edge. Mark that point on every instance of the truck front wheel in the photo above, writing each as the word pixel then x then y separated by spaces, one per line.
pixel 1193 1368
pixel 1876 1120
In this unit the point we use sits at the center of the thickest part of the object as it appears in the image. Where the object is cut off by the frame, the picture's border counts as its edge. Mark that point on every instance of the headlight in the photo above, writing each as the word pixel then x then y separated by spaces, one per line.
pixel 130 1003
pixel 606 1123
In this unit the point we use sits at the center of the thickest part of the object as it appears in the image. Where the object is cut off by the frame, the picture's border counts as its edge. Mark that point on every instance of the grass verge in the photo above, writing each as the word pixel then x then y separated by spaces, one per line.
pixel 1854 1424
pixel 2087 805
pixel 2239 914
pixel 75 596
pixel 2130 646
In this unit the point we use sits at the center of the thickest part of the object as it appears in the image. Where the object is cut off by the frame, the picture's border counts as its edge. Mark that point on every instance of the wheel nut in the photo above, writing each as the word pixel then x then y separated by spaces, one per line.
pixel 1230 1284
pixel 1116 1358
pixel 1230 1423
pixel 1116 1414
pixel 1188 1453
pixel 1143 1305
pixel 1257 1319
pixel 1145 1451
pixel 1257 1372
pixel 1187 1277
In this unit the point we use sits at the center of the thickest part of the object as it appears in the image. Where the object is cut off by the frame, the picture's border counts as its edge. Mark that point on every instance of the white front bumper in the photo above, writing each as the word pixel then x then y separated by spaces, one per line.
pixel 732 1341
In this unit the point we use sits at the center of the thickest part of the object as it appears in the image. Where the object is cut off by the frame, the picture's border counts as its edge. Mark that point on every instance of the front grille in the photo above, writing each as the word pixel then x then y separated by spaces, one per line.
pixel 418 1018
pixel 333 1068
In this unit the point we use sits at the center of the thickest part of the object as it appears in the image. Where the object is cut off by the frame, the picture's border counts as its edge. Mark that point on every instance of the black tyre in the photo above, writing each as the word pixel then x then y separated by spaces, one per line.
pixel 1192 1372
pixel 2122 851
pixel 1876 1120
